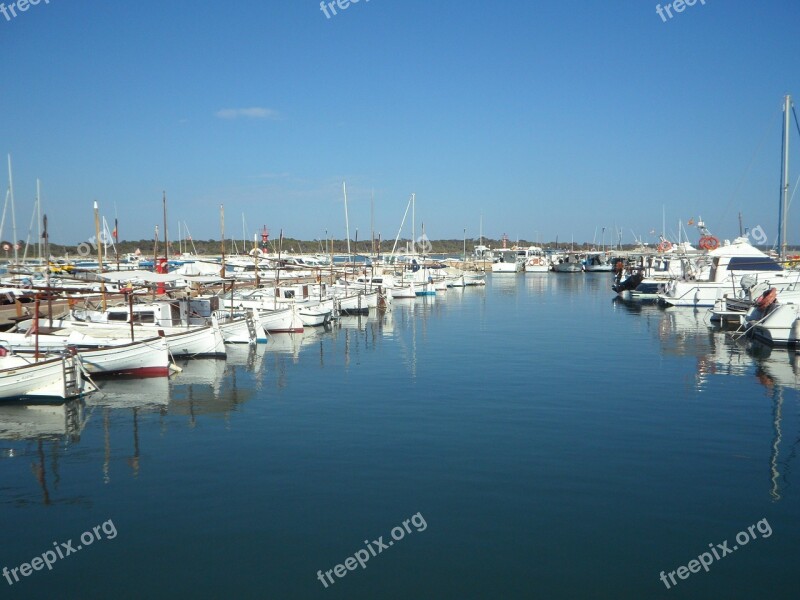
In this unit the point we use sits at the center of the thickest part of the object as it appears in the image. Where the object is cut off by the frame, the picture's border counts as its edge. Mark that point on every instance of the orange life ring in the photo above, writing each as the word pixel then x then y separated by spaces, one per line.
pixel 709 242
pixel 664 246
pixel 767 298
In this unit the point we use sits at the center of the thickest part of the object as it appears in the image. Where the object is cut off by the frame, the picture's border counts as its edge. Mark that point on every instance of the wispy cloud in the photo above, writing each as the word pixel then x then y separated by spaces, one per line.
pixel 255 112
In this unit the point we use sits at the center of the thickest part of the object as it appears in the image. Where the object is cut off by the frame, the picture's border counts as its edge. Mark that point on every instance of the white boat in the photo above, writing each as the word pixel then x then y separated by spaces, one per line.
pixel 281 320
pixel 456 281
pixel 508 261
pixel 777 324
pixel 100 356
pixel 148 358
pixel 568 264
pixel 474 279
pixel 54 379
pixel 729 263
pixel 646 276
pixel 188 342
pixel 404 291
pixel 315 316
pixel 274 317
pixel 734 305
pixel 597 262
pixel 536 261
pixel 179 313
pixel 359 303
pixel 245 329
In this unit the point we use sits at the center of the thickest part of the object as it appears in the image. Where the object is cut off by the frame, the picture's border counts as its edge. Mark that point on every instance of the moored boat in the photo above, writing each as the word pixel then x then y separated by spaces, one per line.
pixel 55 379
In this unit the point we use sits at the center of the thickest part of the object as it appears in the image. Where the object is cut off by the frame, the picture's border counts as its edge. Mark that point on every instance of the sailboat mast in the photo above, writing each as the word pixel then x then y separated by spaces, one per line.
pixel 413 221
pixel 39 216
pixel 166 237
pixel 115 237
pixel 47 271
pixel 784 185
pixel 13 216
pixel 346 219
pixel 372 223
pixel 100 254
pixel 222 232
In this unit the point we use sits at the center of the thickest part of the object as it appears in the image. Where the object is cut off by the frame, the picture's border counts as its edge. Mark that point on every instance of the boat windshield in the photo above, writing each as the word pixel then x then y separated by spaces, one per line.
pixel 753 263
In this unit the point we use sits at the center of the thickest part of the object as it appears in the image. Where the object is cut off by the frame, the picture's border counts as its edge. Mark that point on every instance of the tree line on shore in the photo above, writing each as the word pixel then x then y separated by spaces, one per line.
pixel 289 245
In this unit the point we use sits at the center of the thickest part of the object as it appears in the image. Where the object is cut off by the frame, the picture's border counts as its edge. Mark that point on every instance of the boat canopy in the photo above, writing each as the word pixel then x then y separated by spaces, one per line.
pixel 150 277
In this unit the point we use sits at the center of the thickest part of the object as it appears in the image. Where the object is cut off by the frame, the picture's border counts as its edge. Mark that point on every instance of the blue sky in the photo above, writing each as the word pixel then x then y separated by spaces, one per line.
pixel 548 118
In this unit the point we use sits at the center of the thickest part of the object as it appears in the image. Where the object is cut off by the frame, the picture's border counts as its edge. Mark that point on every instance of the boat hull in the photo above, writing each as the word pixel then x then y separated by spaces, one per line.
pixel 283 320
pixel 55 379
pixel 148 358
pixel 567 268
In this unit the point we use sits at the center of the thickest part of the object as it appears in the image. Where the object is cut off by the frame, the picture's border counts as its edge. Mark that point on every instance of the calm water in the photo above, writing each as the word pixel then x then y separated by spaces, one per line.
pixel 554 443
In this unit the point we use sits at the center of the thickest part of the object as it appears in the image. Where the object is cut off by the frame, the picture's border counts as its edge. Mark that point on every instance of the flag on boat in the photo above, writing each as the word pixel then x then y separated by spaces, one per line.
pixel 691 222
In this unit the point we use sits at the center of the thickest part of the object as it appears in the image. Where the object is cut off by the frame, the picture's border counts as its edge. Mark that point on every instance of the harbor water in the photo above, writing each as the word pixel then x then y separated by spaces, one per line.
pixel 529 439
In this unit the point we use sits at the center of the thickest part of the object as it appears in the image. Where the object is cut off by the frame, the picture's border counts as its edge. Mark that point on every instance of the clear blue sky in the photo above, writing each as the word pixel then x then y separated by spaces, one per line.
pixel 556 117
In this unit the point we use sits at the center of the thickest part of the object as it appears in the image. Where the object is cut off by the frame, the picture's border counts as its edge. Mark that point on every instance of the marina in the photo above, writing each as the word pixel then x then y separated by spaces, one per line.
pixel 318 434
pixel 421 300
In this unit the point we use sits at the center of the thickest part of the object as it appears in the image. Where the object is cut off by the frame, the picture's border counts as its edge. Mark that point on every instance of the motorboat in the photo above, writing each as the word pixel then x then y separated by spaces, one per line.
pixel 728 264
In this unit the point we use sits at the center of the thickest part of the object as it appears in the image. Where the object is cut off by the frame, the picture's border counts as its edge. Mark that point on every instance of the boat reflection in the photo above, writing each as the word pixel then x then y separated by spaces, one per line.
pixel 151 393
pixel 53 429
pixel 505 284
pixel 686 332
pixel 216 387
pixel 777 369
pixel 124 409
pixel 42 421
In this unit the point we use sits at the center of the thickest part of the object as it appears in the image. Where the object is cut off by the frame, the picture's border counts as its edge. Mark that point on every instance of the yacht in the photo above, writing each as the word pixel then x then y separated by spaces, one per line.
pixel 727 265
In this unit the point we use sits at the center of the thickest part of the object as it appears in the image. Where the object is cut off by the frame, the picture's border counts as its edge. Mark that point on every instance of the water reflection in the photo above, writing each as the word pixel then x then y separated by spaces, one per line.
pixel 537 283
pixel 217 387
pixel 43 422
pixel 686 332
pixel 43 434
pixel 504 284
